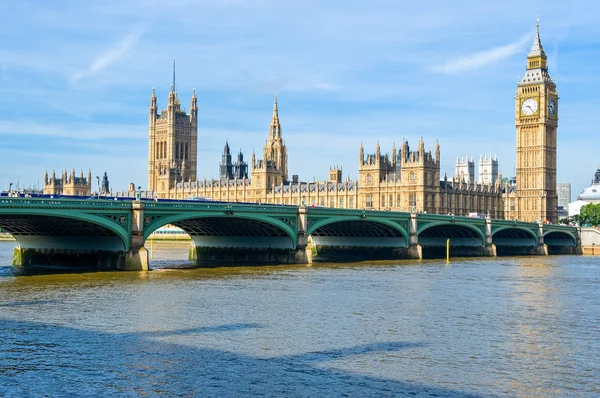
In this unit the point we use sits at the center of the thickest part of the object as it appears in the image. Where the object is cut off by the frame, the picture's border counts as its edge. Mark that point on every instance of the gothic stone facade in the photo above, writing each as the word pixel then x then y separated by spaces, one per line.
pixel 406 180
pixel 536 121
pixel 173 144
pixel 68 184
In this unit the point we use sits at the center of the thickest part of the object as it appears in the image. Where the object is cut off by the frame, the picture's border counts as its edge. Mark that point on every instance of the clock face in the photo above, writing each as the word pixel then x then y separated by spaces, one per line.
pixel 529 107
pixel 552 107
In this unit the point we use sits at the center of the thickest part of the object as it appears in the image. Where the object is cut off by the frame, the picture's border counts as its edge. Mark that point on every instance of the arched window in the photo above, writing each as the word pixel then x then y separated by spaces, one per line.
pixel 411 176
pixel 369 179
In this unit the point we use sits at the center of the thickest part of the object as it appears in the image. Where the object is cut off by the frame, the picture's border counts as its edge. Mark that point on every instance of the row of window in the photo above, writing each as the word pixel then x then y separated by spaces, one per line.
pixel 181 150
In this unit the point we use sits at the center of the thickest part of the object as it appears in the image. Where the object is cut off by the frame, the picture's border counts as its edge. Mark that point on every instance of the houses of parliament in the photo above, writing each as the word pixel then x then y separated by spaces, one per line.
pixel 405 179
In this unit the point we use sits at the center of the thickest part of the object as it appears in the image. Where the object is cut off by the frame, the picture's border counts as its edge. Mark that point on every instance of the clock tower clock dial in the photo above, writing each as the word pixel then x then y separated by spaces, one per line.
pixel 529 107
pixel 552 107
pixel 536 124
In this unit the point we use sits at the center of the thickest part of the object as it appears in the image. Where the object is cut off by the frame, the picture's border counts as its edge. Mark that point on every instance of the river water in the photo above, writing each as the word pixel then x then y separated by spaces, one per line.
pixel 518 327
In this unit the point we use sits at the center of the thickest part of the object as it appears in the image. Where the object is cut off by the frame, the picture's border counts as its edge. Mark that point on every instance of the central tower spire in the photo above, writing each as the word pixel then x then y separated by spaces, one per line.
pixel 173 85
pixel 536 58
pixel 275 126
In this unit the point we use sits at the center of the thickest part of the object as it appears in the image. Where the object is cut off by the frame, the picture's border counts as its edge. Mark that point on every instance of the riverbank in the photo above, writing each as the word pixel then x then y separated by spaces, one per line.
pixel 169 237
pixel 590 250
pixel 6 237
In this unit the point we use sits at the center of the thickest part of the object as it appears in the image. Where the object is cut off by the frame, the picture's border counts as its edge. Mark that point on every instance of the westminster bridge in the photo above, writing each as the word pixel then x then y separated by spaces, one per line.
pixel 110 234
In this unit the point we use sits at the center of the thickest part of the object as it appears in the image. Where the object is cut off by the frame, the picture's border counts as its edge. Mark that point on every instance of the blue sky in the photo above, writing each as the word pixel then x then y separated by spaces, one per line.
pixel 76 77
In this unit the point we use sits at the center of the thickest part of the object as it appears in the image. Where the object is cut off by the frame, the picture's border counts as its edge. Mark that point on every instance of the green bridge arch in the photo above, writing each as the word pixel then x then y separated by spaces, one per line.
pixel 173 219
pixel 471 227
pixel 120 231
pixel 332 220
pixel 563 232
pixel 527 230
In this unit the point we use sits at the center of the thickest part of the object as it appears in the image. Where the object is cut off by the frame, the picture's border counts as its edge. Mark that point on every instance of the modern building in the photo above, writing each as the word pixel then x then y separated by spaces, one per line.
pixel 563 191
pixel 68 184
pixel 589 195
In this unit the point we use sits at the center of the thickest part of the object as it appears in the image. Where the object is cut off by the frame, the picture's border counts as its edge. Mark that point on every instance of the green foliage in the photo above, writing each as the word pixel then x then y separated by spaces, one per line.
pixel 590 214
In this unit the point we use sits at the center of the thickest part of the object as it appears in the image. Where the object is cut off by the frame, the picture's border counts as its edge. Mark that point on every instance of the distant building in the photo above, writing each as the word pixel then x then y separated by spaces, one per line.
pixel 465 170
pixel 488 170
pixel 229 170
pixel 563 190
pixel 68 184
pixel 104 185
pixel 589 195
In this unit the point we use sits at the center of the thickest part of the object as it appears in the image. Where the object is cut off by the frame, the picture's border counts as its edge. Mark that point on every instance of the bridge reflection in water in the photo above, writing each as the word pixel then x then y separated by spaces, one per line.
pixel 109 234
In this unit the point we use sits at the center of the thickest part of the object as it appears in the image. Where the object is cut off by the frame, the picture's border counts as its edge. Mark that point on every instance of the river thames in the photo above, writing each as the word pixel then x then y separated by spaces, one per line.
pixel 518 327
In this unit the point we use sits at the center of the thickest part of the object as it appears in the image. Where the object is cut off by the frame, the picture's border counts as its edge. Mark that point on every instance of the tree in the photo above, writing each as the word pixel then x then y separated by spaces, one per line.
pixel 590 214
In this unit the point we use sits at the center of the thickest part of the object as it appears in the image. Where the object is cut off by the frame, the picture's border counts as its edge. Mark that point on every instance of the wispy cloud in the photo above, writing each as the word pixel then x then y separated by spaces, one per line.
pixel 74 131
pixel 110 57
pixel 483 58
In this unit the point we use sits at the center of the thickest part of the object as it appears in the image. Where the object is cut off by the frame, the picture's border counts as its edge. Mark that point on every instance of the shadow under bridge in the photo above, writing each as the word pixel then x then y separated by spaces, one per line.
pixel 228 239
pixel 465 239
pixel 236 232
pixel 68 239
pixel 358 239
pixel 53 232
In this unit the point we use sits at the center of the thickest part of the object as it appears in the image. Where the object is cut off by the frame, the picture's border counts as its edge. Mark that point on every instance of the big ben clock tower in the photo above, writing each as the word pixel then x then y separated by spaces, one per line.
pixel 536 121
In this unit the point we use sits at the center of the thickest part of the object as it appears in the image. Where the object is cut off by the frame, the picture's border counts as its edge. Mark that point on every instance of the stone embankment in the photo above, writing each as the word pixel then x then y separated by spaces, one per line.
pixel 5 236
pixel 590 241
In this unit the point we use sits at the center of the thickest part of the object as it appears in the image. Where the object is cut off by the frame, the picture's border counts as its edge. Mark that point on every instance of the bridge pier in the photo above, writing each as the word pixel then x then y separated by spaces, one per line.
pixel 74 258
pixel 202 255
pixel 415 251
pixel 490 250
pixel 136 258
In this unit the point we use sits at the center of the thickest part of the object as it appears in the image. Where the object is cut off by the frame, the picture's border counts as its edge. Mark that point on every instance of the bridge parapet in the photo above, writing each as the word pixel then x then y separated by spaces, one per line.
pixel 55 227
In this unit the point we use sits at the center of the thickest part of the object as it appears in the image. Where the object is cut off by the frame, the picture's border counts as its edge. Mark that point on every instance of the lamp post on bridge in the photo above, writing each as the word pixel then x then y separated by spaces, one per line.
pixel 138 193
pixel 10 188
pixel 98 179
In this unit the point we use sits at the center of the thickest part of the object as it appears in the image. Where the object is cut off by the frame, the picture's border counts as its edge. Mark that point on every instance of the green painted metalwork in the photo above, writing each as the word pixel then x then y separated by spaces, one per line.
pixel 564 229
pixel 116 216
pixel 498 225
pixel 326 221
pixel 531 231
pixel 159 214
pixel 112 215
pixel 427 221
pixel 320 217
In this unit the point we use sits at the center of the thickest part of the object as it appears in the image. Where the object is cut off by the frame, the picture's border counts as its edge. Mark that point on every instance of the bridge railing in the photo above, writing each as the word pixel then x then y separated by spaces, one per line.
pixel 207 206
pixel 64 203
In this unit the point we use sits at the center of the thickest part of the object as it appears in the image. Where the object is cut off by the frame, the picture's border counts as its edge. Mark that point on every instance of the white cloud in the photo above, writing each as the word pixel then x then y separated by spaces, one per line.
pixel 111 56
pixel 483 58
pixel 75 131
